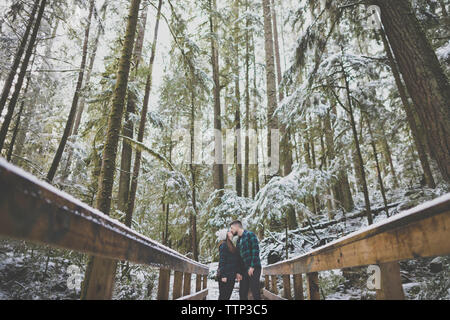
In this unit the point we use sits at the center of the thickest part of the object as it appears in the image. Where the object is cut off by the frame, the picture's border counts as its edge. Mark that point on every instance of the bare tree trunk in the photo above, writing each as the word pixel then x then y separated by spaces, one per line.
pixel 21 77
pixel 270 80
pixel 19 114
pixel 255 121
pixel 424 77
pixel 17 57
pixel 237 94
pixel 193 214
pixel 409 115
pixel 81 106
pixel 142 122
pixel 247 105
pixel 100 274
pixel 358 150
pixel 70 120
pixel 388 159
pixel 218 175
pixel 285 134
pixel 341 188
pixel 375 155
pixel 127 153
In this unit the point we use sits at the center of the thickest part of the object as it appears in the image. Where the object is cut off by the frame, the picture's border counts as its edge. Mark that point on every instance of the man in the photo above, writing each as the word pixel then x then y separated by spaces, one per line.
pixel 248 247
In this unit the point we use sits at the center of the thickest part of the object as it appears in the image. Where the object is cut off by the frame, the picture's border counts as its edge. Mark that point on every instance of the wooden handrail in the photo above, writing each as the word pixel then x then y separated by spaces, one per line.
pixel 35 211
pixel 423 231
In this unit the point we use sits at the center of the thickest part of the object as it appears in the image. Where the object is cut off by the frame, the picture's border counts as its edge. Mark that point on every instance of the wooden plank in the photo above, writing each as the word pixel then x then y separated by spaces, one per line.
pixel 287 287
pixel 422 231
pixel 271 296
pixel 101 279
pixel 267 282
pixel 187 284
pixel 298 287
pixel 201 295
pixel 312 285
pixel 163 284
pixel 177 284
pixel 274 284
pixel 35 211
pixel 198 283
pixel 391 282
pixel 205 282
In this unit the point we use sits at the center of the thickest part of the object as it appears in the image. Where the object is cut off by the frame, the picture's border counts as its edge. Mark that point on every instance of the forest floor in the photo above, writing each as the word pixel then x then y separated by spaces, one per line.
pixel 28 271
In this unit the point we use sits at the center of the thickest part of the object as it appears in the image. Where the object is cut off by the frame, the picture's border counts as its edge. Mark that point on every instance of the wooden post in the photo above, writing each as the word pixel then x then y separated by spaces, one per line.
pixel 205 281
pixel 177 284
pixel 298 287
pixel 163 284
pixel 198 283
pixel 100 285
pixel 274 284
pixel 267 282
pixel 312 283
pixel 287 287
pixel 187 284
pixel 391 282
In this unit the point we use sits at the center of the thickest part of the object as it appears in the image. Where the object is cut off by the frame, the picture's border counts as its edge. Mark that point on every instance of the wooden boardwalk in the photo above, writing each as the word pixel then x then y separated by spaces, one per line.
pixel 33 210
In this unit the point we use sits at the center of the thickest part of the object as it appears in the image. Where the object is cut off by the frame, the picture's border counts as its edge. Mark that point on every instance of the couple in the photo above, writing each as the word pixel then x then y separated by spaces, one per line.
pixel 241 263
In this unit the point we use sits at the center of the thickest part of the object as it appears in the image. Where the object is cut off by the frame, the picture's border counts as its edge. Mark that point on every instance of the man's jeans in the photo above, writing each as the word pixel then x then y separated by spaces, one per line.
pixel 251 283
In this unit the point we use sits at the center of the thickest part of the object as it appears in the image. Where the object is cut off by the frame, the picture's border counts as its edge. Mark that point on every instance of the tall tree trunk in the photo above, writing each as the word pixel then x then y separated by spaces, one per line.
pixel 409 114
pixel 17 57
pixel 100 273
pixel 341 189
pixel 375 155
pixel 21 77
pixel 358 149
pixel 142 122
pixel 286 155
pixel 324 164
pixel 255 120
pixel 19 114
pixel 218 175
pixel 272 122
pixel 127 153
pixel 237 94
pixel 247 105
pixel 388 158
pixel 424 77
pixel 193 213
pixel 81 106
pixel 30 107
pixel 70 120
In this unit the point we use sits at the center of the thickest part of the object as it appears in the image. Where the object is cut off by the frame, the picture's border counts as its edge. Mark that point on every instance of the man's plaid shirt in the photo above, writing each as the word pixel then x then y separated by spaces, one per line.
pixel 248 247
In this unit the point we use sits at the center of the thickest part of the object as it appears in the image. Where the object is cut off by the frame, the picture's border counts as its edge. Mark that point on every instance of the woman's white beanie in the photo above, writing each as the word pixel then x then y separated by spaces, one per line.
pixel 222 234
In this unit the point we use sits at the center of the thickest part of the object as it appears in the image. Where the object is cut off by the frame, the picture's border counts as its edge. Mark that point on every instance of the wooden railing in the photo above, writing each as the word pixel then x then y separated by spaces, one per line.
pixel 423 231
pixel 35 211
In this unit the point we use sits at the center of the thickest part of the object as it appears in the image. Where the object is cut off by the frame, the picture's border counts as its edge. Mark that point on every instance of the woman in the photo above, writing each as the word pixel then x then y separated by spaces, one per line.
pixel 229 265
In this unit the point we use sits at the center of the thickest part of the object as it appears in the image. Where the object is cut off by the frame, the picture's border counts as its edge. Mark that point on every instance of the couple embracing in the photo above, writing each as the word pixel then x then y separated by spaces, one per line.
pixel 238 263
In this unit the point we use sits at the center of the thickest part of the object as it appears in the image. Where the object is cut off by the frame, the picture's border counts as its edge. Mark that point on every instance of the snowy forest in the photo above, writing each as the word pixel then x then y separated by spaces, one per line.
pixel 306 120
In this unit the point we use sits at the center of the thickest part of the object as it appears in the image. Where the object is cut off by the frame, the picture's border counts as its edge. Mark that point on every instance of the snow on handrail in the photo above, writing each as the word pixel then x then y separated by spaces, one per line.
pixel 33 210
pixel 422 231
